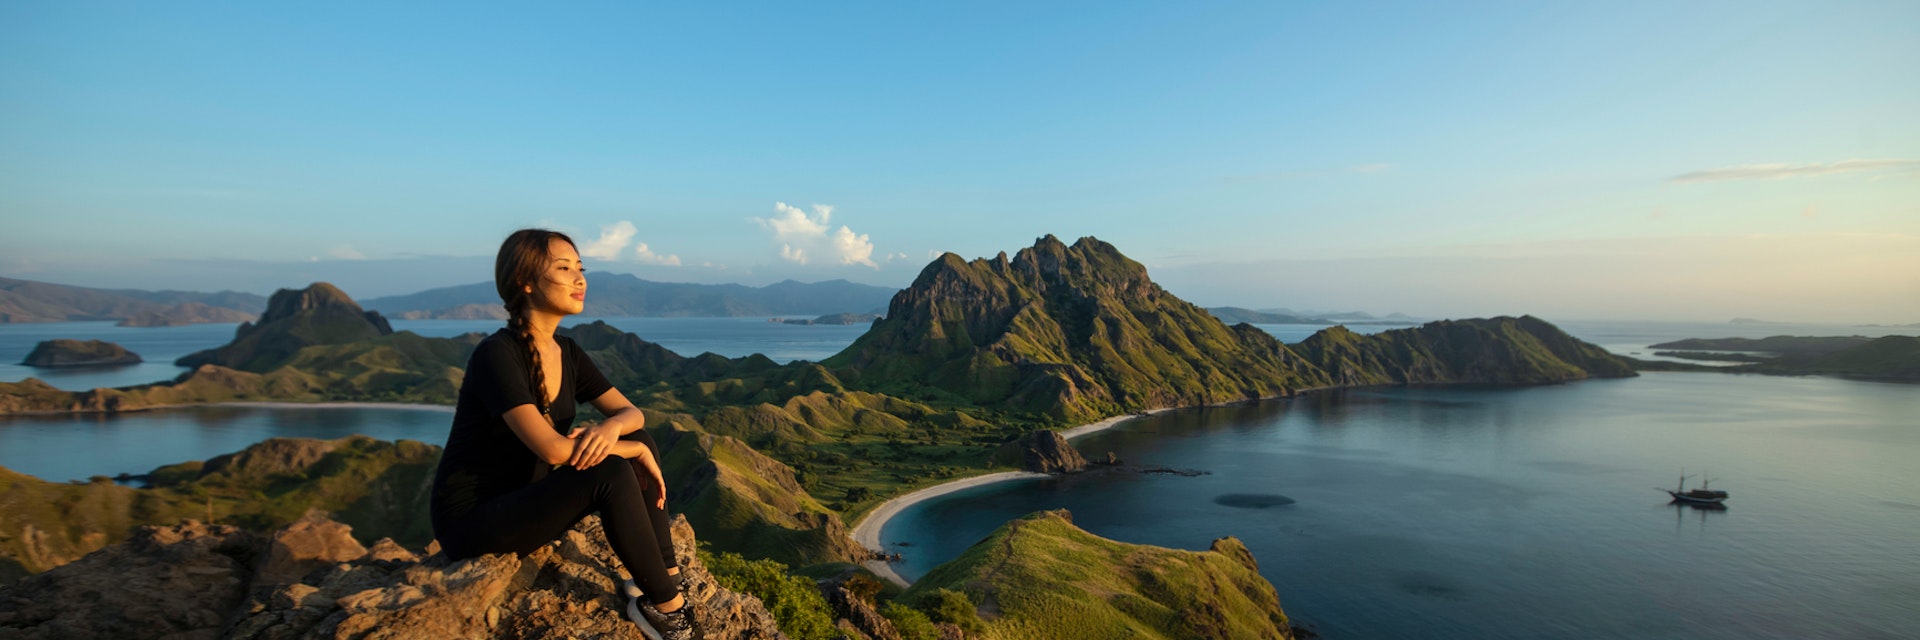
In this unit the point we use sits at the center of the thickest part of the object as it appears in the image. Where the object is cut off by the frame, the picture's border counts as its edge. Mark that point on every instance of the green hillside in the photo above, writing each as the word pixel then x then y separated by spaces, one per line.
pixel 1502 351
pixel 1042 577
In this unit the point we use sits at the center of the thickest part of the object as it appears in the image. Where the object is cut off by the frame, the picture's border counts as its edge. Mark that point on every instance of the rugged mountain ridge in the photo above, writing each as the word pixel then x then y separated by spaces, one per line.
pixel 1072 332
pixel 1080 332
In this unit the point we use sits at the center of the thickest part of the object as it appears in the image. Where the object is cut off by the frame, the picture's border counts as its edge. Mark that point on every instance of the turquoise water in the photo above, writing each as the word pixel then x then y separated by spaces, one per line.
pixel 1522 513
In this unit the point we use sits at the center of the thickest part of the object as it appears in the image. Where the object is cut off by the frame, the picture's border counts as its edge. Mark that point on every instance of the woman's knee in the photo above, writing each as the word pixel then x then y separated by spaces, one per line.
pixel 611 470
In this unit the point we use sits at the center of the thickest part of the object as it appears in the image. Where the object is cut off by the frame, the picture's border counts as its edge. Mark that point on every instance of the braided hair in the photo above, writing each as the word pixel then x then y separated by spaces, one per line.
pixel 522 259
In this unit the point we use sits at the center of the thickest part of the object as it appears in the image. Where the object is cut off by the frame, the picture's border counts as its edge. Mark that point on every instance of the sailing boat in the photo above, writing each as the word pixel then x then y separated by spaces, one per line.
pixel 1702 495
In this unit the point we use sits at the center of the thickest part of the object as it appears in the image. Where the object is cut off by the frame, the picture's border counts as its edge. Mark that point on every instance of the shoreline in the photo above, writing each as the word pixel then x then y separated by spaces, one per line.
pixel 866 533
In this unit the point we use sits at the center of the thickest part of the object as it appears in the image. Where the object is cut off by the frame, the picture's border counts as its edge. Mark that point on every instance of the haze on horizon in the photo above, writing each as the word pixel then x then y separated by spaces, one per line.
pixel 1639 160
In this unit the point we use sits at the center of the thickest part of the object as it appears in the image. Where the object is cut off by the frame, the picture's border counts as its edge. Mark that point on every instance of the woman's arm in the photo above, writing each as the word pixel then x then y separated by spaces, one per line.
pixel 597 441
pixel 535 431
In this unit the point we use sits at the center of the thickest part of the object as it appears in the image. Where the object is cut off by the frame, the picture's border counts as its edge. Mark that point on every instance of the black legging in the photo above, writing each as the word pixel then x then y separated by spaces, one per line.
pixel 533 515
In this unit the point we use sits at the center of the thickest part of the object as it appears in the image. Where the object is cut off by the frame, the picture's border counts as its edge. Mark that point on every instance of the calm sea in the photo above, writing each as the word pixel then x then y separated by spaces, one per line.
pixel 1434 513
pixel 1521 513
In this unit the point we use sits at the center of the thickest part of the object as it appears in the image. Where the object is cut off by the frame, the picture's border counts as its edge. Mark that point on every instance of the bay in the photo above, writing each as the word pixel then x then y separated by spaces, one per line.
pixel 1520 513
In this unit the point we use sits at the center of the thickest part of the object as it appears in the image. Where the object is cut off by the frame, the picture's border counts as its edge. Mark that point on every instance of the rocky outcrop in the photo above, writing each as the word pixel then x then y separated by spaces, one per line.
pixel 199 581
pixel 309 544
pixel 857 615
pixel 1044 451
pixel 182 581
pixel 184 314
pixel 79 353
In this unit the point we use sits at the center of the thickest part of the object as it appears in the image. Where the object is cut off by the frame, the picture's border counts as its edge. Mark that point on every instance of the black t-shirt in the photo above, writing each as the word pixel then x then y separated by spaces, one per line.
pixel 483 457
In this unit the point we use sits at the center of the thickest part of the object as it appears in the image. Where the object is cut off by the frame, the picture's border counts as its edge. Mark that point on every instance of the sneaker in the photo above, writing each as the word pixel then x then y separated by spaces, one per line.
pixel 677 625
pixel 632 590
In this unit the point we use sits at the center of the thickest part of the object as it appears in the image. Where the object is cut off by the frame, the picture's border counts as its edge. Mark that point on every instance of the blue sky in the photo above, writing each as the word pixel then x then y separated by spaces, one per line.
pixel 1579 160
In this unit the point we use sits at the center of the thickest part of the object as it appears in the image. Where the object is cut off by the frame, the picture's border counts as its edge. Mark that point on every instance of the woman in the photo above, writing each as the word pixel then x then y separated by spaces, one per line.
pixel 516 474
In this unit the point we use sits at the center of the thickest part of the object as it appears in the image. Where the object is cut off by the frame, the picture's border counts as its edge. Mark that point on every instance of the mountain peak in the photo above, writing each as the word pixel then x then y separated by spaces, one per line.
pixel 295 318
pixel 1075 331
pixel 287 302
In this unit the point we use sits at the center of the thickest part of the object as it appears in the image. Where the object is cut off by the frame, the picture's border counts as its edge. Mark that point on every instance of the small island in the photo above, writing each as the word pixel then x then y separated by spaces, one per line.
pixel 79 353
pixel 833 318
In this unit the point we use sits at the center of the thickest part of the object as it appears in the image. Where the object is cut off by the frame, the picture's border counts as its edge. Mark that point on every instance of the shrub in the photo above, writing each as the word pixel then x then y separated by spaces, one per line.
pixel 795 603
pixel 953 607
pixel 911 623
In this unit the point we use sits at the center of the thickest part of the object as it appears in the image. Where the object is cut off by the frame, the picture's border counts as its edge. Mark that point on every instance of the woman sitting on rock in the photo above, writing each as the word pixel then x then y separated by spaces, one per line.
pixel 516 474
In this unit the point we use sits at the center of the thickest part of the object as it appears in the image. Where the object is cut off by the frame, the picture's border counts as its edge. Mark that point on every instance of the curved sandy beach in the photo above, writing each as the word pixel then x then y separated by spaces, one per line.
pixel 867 531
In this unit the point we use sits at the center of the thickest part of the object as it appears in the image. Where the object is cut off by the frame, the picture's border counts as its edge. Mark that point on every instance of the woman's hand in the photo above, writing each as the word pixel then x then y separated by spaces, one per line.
pixel 592 444
pixel 659 481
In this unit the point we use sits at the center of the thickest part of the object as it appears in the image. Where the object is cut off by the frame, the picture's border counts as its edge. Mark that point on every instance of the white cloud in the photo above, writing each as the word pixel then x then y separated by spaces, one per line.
pixel 853 249
pixel 344 252
pixel 1777 171
pixel 646 255
pixel 790 223
pixel 896 256
pixel 803 236
pixel 613 239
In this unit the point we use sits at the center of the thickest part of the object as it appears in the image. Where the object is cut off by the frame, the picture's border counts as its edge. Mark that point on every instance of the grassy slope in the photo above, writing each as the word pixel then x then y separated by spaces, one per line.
pixel 1040 576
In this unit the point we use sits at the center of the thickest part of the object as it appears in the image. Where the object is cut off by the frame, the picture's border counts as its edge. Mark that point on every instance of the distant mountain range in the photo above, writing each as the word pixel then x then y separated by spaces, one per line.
pixel 623 295
pixel 613 295
pixel 30 301
pixel 1349 317
pixel 1237 315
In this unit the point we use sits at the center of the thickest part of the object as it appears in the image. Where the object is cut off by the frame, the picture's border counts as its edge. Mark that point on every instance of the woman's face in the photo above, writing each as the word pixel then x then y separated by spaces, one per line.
pixel 562 286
